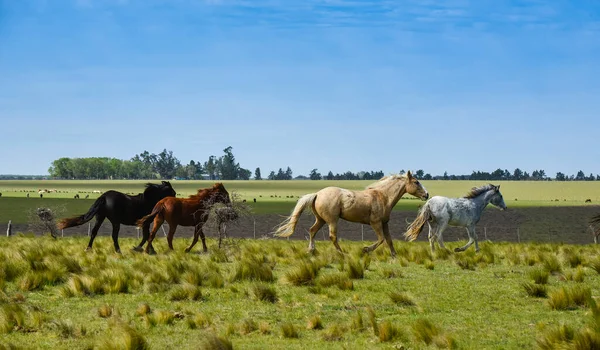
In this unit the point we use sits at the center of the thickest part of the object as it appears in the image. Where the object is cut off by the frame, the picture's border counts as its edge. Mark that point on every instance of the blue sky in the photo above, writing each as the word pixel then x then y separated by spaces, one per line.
pixel 336 85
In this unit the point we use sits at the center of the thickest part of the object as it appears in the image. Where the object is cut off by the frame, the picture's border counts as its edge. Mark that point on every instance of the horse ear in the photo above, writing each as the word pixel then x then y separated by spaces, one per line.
pixel 498 188
pixel 409 174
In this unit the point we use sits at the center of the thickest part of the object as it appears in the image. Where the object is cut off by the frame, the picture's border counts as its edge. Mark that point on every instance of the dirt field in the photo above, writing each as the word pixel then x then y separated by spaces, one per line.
pixel 549 224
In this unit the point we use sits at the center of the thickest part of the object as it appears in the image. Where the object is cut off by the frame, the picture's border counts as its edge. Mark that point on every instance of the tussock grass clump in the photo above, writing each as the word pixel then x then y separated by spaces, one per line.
pixel 185 291
pixel 390 272
pixel 213 342
pixel 402 299
pixel 339 279
pixel 163 317
pixel 198 320
pixel 539 276
pixel 12 318
pixel 66 329
pixel 334 333
pixel 105 311
pixel 565 337
pixel 122 336
pixel 569 297
pixel 373 321
pixel 289 331
pixel 247 326
pixel 556 338
pixel 550 263
pixel 427 332
pixel 465 262
pixel 355 268
pixel 143 309
pixel 264 327
pixel 389 332
pixel 442 254
pixel 303 273
pixel 419 254
pixel 264 293
pixel 535 290
pixel 9 346
pixel 595 265
pixel 576 276
pixel 571 258
pixel 253 269
pixel 357 323
pixel 314 322
pixel 429 265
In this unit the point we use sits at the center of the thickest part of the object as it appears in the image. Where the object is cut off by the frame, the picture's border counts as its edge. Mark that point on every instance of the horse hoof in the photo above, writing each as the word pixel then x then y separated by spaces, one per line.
pixel 366 249
pixel 187 250
pixel 457 250
pixel 88 249
pixel 118 251
pixel 137 249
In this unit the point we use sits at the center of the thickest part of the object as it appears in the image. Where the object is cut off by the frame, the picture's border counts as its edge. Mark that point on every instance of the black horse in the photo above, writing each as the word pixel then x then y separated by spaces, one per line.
pixel 120 208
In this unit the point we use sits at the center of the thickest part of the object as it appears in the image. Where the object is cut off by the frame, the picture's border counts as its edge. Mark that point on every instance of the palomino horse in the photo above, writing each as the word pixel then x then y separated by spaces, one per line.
pixel 463 212
pixel 371 206
pixel 191 211
pixel 120 209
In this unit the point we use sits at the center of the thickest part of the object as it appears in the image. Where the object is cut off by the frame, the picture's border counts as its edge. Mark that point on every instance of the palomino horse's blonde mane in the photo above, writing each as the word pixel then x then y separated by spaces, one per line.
pixel 384 181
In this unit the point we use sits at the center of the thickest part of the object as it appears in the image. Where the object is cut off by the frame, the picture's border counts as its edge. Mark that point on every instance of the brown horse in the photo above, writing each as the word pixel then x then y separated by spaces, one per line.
pixel 371 206
pixel 191 211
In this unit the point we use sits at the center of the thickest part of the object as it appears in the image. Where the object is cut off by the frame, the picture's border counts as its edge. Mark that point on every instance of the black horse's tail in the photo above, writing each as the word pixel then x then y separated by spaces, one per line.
pixel 158 208
pixel 82 219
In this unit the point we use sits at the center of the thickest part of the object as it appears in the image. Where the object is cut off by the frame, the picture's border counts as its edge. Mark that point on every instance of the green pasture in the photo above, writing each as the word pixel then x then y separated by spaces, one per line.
pixel 530 192
pixel 272 294
pixel 276 197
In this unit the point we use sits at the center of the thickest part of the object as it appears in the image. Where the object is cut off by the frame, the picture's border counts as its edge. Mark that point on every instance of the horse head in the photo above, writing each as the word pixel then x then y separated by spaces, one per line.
pixel 159 191
pixel 414 187
pixel 219 194
pixel 497 198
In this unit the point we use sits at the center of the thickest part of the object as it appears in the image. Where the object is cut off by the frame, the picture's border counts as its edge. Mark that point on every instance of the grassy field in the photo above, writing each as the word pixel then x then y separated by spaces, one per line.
pixel 272 294
pixel 279 196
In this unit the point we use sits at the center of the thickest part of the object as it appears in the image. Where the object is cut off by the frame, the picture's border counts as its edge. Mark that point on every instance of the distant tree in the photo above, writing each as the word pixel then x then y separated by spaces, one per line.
pixel 560 176
pixel 445 175
pixel 210 166
pixel 288 173
pixel 590 178
pixel 580 176
pixel 427 176
pixel 517 174
pixel 228 168
pixel 244 174
pixel 419 173
pixel 280 175
pixel 257 174
pixel 272 176
pixel 315 175
pixel 329 176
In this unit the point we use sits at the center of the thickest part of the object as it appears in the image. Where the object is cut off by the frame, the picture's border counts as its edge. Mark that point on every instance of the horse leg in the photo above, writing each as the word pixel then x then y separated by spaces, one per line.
pixel 378 228
pixel 158 221
pixel 388 239
pixel 145 235
pixel 333 236
pixel 115 236
pixel 472 239
pixel 170 235
pixel 432 237
pixel 198 232
pixel 99 220
pixel 313 231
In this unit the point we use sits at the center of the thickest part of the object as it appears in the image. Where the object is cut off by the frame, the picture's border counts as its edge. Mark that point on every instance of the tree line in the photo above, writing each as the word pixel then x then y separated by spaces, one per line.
pixel 165 165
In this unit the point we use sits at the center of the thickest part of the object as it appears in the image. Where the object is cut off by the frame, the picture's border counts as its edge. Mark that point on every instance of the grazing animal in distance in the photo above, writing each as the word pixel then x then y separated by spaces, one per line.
pixel 191 211
pixel 120 209
pixel 371 206
pixel 441 212
pixel 588 200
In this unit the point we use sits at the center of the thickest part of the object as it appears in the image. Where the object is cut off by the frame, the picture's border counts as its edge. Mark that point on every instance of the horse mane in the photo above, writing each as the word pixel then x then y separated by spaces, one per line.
pixel 150 187
pixel 205 192
pixel 384 180
pixel 477 191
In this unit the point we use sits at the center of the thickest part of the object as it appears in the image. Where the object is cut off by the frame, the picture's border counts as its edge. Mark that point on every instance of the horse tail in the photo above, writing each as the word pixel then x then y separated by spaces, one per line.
pixel 158 208
pixel 82 219
pixel 286 228
pixel 416 226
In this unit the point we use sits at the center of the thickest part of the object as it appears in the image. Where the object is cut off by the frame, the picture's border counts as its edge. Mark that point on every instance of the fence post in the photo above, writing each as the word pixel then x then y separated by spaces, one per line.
pixel 9 229
pixel 164 232
pixel 137 229
pixel 518 236
pixel 485 232
pixel 362 232
pixel 89 228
